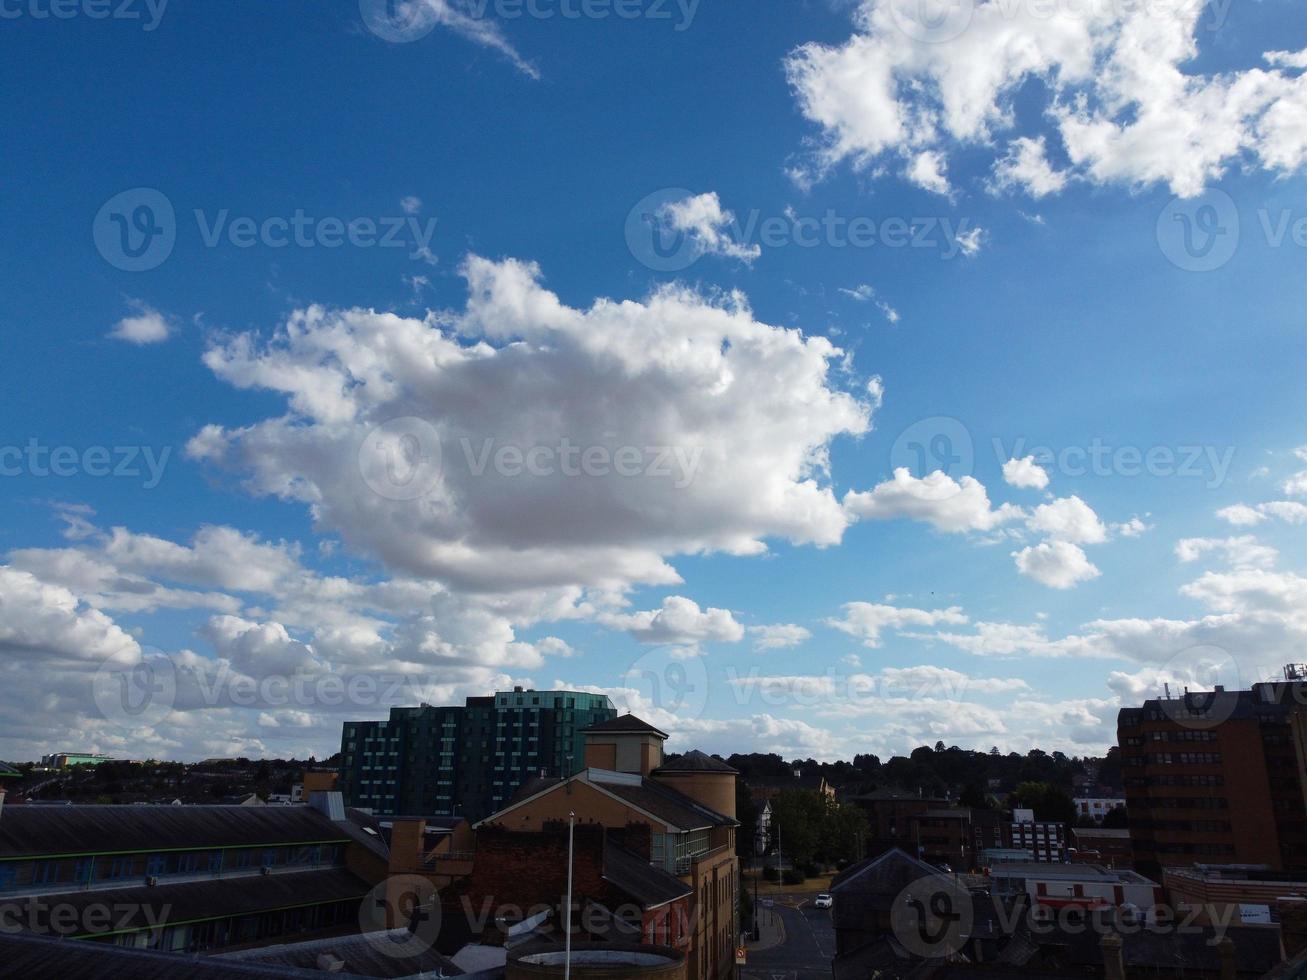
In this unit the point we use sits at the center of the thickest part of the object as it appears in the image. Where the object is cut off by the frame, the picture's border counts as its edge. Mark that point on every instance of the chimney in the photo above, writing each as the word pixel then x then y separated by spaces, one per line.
pixel 1113 960
pixel 1225 949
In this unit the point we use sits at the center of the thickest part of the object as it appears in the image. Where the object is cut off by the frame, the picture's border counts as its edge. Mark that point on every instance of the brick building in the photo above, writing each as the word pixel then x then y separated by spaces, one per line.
pixel 1044 840
pixel 676 816
pixel 1217 777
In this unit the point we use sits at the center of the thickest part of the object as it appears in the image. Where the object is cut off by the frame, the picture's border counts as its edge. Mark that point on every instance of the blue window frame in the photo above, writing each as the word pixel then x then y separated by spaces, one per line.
pixel 157 865
pixel 121 867
pixel 84 870
pixel 215 861
pixel 8 874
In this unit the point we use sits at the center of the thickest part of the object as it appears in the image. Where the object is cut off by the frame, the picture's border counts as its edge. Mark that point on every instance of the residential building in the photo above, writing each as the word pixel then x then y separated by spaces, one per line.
pixel 954 837
pixel 1217 777
pixel 465 760
pixel 187 878
pixel 62 760
pixel 1045 840
pixel 1098 807
pixel 889 814
pixel 684 807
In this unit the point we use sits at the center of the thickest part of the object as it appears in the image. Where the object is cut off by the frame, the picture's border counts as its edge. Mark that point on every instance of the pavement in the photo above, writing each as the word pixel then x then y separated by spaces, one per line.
pixel 797 943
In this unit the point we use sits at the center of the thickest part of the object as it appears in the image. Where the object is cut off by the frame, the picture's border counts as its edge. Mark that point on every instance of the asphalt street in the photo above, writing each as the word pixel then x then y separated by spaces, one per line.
pixel 807 951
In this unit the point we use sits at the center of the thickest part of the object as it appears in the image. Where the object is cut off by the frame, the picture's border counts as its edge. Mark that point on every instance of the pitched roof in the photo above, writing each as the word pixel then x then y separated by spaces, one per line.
pixel 695 761
pixel 104 829
pixel 209 898
pixel 626 724
pixel 886 875
pixel 663 802
pixel 648 885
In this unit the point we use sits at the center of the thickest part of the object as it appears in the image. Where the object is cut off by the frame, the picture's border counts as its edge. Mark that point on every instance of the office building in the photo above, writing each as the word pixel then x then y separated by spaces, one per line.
pixel 465 760
pixel 1217 777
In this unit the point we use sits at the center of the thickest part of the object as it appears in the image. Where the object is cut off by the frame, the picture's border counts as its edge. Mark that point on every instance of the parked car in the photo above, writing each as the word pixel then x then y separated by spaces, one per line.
pixel 823 901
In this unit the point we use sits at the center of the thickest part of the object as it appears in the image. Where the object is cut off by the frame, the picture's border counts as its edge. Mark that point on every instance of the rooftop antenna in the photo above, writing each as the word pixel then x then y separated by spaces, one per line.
pixel 1167 686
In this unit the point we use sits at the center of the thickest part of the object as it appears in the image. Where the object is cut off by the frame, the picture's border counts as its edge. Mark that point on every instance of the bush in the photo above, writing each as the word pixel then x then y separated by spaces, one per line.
pixel 793 876
pixel 771 874
pixel 811 870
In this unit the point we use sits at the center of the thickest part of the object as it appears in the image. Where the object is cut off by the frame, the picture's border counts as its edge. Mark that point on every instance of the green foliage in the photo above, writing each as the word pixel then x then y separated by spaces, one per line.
pixel 794 877
pixel 814 829
pixel 1048 801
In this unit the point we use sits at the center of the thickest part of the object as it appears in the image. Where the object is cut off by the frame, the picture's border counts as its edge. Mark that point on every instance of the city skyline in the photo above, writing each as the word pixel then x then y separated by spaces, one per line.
pixel 797 393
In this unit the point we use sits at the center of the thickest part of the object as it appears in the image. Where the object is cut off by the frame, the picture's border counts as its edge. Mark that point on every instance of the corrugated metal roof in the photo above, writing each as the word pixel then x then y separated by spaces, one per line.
pixel 32 956
pixel 144 906
pixel 82 829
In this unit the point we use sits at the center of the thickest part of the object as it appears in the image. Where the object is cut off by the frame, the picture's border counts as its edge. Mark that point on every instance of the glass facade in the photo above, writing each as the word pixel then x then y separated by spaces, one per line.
pixel 466 760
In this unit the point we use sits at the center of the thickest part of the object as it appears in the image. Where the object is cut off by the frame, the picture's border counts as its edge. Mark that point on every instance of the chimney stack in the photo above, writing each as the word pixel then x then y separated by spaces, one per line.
pixel 1113 959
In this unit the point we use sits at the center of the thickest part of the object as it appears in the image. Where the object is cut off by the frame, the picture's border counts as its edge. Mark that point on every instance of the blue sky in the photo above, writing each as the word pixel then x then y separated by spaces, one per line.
pixel 1014 233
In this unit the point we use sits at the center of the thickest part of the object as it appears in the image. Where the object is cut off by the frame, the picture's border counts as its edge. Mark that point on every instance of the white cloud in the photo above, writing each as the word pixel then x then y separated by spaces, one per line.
pixel 1026 167
pixel 865 294
pixel 779 636
pixel 414 18
pixel 708 397
pixel 411 204
pixel 1296 485
pixel 1240 515
pixel 867 620
pixel 679 621
pixel 1243 551
pixel 1057 564
pixel 1109 78
pixel 1068 519
pixel 949 505
pixel 146 326
pixel 1025 473
pixel 707 225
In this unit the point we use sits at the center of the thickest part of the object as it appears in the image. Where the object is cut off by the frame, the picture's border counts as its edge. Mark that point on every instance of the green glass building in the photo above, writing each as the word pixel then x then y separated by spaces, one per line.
pixel 467 760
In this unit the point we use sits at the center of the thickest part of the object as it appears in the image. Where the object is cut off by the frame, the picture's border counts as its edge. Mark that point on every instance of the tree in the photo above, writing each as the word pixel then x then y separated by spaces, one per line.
pixel 1048 801
pixel 1116 819
pixel 746 811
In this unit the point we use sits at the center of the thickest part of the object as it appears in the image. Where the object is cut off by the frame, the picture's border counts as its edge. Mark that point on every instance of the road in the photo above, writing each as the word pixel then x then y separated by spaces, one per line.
pixel 807 950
